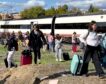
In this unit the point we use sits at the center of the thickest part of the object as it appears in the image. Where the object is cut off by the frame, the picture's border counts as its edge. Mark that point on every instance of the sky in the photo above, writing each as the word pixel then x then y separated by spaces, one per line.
pixel 19 5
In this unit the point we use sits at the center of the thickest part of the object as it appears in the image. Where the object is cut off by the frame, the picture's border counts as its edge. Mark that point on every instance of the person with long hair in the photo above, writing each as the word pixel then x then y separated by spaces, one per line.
pixel 92 44
pixel 58 48
pixel 36 40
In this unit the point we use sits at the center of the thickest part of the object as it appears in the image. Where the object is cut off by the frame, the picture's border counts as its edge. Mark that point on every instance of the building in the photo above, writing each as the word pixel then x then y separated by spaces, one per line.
pixel 5 16
pixel 16 15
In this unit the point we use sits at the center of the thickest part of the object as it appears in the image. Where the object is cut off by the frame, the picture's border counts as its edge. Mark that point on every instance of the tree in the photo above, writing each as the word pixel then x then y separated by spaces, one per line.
pixel 93 9
pixel 25 14
pixel 38 11
pixel 33 12
pixel 50 12
pixel 75 10
pixel 65 7
pixel 62 10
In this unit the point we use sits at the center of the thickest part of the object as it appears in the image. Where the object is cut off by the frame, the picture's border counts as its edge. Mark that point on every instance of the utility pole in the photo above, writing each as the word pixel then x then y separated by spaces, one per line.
pixel 53 31
pixel 31 24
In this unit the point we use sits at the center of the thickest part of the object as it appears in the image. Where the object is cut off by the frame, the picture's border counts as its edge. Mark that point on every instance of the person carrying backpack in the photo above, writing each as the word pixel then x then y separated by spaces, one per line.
pixel 91 51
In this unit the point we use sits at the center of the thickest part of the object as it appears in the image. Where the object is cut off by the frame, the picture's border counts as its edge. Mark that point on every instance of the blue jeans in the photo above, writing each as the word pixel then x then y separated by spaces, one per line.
pixel 58 53
pixel 50 46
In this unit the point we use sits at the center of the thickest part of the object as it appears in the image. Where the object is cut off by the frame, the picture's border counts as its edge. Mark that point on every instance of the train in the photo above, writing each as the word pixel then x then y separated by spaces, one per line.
pixel 64 25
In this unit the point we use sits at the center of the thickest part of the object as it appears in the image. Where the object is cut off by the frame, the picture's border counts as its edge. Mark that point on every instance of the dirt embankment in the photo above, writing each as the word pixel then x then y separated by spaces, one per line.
pixel 28 74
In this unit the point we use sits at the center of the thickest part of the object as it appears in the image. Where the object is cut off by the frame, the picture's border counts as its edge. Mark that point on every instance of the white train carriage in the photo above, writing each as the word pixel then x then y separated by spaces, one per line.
pixel 64 25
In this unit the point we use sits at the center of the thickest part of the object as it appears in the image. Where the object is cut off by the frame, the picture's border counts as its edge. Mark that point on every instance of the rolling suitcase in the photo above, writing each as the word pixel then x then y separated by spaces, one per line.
pixel 66 56
pixel 76 65
pixel 103 62
pixel 26 57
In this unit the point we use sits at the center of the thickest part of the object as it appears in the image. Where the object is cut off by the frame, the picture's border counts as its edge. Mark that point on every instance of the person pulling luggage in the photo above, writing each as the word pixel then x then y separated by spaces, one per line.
pixel 92 42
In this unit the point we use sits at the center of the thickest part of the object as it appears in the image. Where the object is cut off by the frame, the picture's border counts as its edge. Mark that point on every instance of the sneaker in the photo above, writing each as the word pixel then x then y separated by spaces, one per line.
pixel 57 60
pixel 60 60
pixel 101 76
pixel 15 65
pixel 85 75
pixel 39 61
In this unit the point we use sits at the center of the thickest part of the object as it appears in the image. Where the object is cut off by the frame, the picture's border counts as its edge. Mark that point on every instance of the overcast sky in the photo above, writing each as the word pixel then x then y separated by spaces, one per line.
pixel 18 5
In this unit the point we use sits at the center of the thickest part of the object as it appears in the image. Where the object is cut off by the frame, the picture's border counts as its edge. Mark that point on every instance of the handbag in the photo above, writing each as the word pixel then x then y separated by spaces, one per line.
pixel 82 45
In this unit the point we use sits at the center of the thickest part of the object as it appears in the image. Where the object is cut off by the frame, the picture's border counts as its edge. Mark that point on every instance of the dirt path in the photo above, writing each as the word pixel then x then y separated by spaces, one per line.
pixel 28 74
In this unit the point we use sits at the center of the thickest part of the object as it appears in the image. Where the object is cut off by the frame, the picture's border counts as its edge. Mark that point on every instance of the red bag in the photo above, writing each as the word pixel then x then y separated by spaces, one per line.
pixel 74 48
pixel 26 60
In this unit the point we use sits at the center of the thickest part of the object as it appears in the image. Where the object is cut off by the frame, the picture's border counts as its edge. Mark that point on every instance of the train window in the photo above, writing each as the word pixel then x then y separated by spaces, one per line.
pixel 48 26
pixel 71 26
pixel 10 26
pixel 25 27
pixel 101 27
pixel 65 26
pixel 45 26
pixel 101 24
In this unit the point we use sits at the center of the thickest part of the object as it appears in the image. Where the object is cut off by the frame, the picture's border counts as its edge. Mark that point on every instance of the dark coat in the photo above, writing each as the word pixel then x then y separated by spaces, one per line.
pixel 36 41
pixel 12 43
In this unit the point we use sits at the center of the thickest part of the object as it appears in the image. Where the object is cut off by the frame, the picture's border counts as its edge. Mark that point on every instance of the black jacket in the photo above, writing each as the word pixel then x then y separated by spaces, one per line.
pixel 12 43
pixel 36 41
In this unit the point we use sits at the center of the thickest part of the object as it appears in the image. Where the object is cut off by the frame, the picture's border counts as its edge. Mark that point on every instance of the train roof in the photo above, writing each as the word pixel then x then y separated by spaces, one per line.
pixel 59 20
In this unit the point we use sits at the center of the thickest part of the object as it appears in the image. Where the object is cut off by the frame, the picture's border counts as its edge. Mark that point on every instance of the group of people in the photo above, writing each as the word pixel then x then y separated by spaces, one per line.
pixel 37 40
pixel 91 48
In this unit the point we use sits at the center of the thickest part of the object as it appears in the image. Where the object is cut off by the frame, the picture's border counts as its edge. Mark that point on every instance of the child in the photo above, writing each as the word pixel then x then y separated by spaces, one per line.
pixel 74 42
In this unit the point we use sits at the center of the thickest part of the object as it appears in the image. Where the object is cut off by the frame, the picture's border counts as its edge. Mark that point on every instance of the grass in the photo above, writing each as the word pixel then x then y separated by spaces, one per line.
pixel 47 57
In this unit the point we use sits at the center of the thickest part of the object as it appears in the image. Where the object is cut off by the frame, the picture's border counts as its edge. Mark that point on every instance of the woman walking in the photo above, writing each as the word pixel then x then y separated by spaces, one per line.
pixel 36 40
pixel 92 43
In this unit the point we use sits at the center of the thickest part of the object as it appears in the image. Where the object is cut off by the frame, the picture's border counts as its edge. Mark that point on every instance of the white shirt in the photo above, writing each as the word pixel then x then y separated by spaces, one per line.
pixel 58 43
pixel 92 39
pixel 74 37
